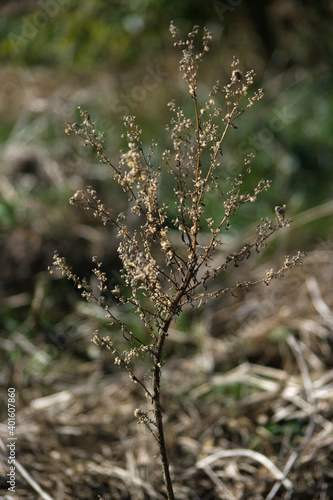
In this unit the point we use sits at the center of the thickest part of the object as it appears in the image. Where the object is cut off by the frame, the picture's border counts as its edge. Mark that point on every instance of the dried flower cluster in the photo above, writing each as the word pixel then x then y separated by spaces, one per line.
pixel 158 277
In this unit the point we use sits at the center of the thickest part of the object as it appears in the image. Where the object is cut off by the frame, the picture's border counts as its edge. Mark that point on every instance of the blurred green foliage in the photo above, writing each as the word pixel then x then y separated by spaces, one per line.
pixel 92 37
pixel 92 33
pixel 64 49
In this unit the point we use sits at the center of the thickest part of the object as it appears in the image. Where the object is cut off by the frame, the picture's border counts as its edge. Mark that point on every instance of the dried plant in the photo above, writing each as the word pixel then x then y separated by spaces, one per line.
pixel 158 277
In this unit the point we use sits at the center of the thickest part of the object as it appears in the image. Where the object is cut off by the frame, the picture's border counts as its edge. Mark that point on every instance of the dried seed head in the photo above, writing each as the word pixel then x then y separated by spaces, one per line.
pixel 280 212
pixel 238 75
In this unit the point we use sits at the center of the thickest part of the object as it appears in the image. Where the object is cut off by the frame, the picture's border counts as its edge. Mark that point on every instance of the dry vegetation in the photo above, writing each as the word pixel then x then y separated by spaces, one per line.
pixel 273 410
pixel 248 390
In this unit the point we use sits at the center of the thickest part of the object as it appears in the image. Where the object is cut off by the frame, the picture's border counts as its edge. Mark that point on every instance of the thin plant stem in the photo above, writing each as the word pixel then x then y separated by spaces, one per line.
pixel 158 277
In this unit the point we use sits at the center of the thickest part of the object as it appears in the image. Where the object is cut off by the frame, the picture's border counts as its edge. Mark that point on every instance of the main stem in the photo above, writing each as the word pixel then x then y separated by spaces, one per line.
pixel 160 432
pixel 157 404
pixel 164 332
pixel 157 379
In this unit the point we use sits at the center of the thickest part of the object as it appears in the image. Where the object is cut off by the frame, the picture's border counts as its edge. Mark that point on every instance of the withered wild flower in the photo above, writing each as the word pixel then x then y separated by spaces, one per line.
pixel 159 278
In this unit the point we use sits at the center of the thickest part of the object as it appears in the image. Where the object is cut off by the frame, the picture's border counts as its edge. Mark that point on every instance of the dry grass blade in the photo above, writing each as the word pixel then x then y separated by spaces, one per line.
pixel 128 477
pixel 25 474
pixel 257 457
pixel 318 301
pixel 225 493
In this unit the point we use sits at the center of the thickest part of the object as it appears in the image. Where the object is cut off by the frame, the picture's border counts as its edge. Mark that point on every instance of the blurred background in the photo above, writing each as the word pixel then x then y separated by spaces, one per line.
pixel 117 58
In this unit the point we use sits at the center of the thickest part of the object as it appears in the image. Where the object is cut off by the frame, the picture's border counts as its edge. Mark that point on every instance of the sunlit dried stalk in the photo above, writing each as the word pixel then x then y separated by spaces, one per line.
pixel 159 278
